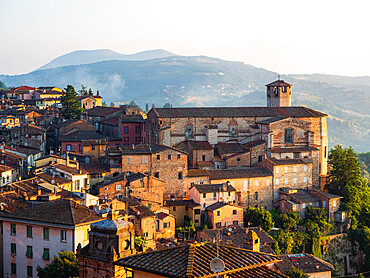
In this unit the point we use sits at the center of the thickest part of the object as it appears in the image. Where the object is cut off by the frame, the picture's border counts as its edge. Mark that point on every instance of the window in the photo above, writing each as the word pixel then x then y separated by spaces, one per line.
pixel 256 196
pixel 324 204
pixel 305 168
pixel 317 203
pixel 46 233
pixel 218 213
pixel 158 157
pixel 277 170
pixel 282 205
pixel 204 195
pixel 303 205
pixel 29 271
pixel 166 225
pixel 77 182
pixel 118 187
pixel 235 222
pixel 14 269
pixel 188 132
pixel 29 251
pixel 156 175
pixel 180 175
pixel 325 151
pixel 294 180
pixel 137 139
pixel 125 129
pixel 260 158
pixel 310 204
pixel 29 231
pixel 203 157
pixel 235 212
pixel 256 183
pixel 277 181
pixel 174 209
pixel 130 160
pixel 334 203
pixel 288 138
pixel 143 160
pixel 169 157
pixel 229 193
pixel 69 147
pixel 197 211
pixel 286 169
pixel 304 179
pixel 93 147
pixel 232 132
pixel 178 156
pixel 13 248
pixel 276 195
pixel 45 254
pixel 286 180
pixel 214 195
pixel 137 129
pixel 63 235
pixel 267 182
pixel 295 169
pixel 204 205
pixel 13 229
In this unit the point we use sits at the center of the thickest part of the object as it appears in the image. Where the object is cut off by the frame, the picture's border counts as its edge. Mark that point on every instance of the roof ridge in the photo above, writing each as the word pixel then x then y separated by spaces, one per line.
pixel 191 257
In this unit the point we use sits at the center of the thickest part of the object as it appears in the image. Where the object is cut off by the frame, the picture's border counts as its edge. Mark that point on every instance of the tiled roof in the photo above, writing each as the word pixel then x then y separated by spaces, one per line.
pixel 110 121
pixel 137 118
pixel 227 148
pixel 209 188
pixel 189 203
pixel 147 149
pixel 4 168
pixel 162 215
pixel 57 212
pixel 11 201
pixel 219 205
pixel 142 211
pixel 306 262
pixel 271 120
pixel 216 174
pixel 289 161
pixel 253 144
pixel 193 260
pixel 49 178
pixel 71 170
pixel 292 111
pixel 303 196
pixel 262 271
pixel 328 195
pixel 279 83
pixel 102 111
pixel 80 135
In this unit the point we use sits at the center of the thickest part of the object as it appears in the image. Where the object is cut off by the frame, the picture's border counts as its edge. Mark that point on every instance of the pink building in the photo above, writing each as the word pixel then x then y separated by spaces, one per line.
pixel 33 236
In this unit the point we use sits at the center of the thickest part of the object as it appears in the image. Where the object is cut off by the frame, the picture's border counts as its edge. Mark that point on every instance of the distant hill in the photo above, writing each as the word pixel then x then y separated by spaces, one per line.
pixel 204 81
pixel 81 57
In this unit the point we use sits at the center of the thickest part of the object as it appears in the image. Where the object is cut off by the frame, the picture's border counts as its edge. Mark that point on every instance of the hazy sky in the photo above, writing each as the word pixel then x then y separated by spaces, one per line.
pixel 284 36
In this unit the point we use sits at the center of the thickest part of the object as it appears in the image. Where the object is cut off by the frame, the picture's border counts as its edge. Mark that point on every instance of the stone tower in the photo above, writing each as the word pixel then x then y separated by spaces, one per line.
pixel 279 93
pixel 109 240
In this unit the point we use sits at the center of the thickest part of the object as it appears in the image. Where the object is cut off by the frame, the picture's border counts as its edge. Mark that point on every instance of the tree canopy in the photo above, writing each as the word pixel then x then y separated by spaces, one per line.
pixel 296 273
pixel 258 217
pixel 70 106
pixel 65 265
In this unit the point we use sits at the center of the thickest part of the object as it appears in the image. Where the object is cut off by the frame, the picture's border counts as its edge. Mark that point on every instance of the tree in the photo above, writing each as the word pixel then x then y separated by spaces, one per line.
pixel 2 85
pixel 70 106
pixel 65 265
pixel 258 217
pixel 111 104
pixel 83 90
pixel 316 218
pixel 296 273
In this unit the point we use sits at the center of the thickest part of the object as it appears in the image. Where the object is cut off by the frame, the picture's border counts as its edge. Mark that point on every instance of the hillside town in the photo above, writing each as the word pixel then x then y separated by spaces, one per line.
pixel 165 192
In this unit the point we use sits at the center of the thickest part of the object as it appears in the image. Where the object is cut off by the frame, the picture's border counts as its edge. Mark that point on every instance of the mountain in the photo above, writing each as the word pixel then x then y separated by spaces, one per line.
pixel 81 57
pixel 205 81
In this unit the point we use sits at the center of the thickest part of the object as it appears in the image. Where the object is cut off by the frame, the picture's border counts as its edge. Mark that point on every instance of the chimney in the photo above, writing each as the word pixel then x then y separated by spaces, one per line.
pixel 112 215
pixel 67 158
pixel 38 191
pixel 253 240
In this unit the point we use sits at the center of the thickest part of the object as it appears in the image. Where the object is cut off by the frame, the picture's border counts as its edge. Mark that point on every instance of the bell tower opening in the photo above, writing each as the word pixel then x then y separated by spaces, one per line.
pixel 279 93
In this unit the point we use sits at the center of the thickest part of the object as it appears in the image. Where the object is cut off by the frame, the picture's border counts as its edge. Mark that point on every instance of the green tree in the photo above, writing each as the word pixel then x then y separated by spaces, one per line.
pixel 83 90
pixel 296 273
pixel 65 265
pixel 111 104
pixel 316 218
pixel 70 106
pixel 2 85
pixel 258 217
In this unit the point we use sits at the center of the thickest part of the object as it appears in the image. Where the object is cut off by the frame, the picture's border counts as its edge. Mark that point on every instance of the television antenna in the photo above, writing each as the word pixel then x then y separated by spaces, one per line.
pixel 217 265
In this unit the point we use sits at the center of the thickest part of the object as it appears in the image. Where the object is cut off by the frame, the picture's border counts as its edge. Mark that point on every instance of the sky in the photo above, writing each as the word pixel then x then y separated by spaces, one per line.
pixel 330 37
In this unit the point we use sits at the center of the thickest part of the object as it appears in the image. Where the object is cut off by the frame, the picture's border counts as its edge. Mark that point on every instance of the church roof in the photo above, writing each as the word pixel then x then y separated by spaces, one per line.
pixel 279 83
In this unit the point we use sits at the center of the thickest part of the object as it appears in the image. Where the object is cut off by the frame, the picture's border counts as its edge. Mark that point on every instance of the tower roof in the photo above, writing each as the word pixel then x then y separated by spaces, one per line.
pixel 279 83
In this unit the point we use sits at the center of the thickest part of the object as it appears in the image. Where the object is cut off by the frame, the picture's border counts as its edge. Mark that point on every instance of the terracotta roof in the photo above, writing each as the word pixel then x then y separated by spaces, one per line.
pixel 279 83
pixel 193 260
pixel 253 144
pixel 71 170
pixel 209 188
pixel 11 201
pixel 137 118
pixel 306 262
pixel 162 215
pixel 4 168
pixel 216 174
pixel 142 211
pixel 80 135
pixel 328 195
pixel 57 212
pixel 147 149
pixel 24 88
pixel 110 121
pixel 214 112
pixel 228 148
pixel 57 180
pixel 219 205
pixel 301 196
pixel 288 161
pixel 103 111
pixel 262 271
pixel 94 167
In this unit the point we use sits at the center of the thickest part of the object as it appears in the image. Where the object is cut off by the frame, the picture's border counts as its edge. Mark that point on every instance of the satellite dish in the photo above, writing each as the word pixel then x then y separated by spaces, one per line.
pixel 217 265
pixel 52 181
pixel 2 161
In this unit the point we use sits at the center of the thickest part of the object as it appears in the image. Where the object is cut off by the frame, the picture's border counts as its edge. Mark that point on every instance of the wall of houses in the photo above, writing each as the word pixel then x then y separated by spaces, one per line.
pixel 227 215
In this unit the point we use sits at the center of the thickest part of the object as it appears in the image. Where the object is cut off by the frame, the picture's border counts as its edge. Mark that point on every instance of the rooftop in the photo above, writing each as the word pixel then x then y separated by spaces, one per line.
pixel 292 111
pixel 227 148
pixel 288 161
pixel 279 83
pixel 57 212
pixel 250 172
pixel 103 111
pixel 189 203
pixel 209 188
pixel 306 262
pixel 193 260
pixel 80 135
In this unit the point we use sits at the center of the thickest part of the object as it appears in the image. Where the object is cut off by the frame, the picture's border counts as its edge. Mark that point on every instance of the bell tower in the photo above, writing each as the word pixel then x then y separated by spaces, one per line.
pixel 279 93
